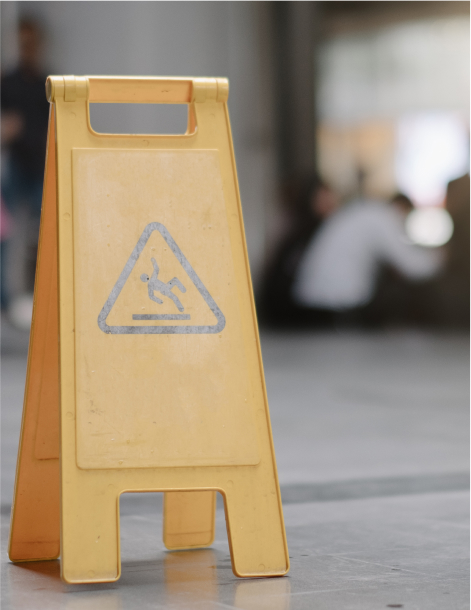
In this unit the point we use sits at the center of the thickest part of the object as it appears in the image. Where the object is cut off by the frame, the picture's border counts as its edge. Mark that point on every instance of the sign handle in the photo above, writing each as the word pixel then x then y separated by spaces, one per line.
pixel 136 90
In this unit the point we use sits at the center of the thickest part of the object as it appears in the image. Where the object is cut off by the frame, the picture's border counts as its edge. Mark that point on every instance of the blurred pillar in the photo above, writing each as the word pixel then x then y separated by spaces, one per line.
pixel 295 31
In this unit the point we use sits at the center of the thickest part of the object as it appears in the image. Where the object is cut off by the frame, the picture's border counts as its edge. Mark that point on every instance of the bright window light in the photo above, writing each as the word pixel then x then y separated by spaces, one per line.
pixel 432 149
pixel 429 226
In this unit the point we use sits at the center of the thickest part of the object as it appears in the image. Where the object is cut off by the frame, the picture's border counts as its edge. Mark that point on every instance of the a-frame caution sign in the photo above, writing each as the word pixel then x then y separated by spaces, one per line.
pixel 144 369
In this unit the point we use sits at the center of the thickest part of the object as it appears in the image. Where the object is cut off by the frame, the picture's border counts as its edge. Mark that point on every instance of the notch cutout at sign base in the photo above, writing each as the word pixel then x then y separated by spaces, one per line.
pixel 165 289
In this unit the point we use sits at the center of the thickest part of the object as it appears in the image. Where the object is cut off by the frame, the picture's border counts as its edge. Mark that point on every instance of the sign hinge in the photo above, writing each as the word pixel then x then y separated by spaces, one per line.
pixel 67 88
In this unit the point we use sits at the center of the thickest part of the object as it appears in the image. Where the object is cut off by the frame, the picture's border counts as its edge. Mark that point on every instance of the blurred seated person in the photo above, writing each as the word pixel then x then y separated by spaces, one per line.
pixel 338 278
pixel 309 201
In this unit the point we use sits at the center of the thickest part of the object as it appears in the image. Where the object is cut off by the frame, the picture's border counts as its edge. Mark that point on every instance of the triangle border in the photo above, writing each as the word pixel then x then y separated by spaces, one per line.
pixel 159 330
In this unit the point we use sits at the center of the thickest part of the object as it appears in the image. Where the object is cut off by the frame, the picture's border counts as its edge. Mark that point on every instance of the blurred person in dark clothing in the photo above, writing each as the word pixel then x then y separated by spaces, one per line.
pixel 24 132
pixel 24 116
pixel 451 291
pixel 457 265
pixel 338 279
pixel 310 201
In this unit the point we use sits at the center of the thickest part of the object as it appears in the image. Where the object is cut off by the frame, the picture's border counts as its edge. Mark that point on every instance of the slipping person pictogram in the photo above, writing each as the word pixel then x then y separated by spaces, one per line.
pixel 157 290
pixel 156 285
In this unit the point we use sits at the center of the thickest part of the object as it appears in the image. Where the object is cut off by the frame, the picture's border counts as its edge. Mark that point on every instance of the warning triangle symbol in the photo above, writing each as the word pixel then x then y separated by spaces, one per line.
pixel 154 296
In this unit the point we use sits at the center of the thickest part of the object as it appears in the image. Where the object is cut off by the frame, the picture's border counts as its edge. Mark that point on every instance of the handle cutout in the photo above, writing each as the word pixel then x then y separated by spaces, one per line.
pixel 141 119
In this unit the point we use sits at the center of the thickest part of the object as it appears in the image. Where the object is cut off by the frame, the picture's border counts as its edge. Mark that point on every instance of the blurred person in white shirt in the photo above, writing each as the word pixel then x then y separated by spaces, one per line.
pixel 341 267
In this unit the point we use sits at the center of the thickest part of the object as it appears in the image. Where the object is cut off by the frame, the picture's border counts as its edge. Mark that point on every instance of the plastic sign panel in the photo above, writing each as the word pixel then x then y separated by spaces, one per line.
pixel 144 368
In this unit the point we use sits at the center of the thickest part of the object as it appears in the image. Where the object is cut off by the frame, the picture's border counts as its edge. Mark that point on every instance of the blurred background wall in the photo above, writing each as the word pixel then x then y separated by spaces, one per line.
pixel 393 103
pixel 372 95
pixel 175 39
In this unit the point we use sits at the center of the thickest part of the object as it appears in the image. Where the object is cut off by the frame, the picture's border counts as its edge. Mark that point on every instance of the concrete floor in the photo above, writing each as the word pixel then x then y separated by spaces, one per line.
pixel 371 435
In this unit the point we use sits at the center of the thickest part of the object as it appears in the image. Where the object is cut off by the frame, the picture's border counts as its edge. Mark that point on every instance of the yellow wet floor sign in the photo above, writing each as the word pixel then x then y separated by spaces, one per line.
pixel 144 367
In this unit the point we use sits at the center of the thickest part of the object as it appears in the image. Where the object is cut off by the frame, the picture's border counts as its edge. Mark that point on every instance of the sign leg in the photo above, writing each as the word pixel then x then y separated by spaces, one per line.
pixel 189 519
pixel 89 532
pixel 255 527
